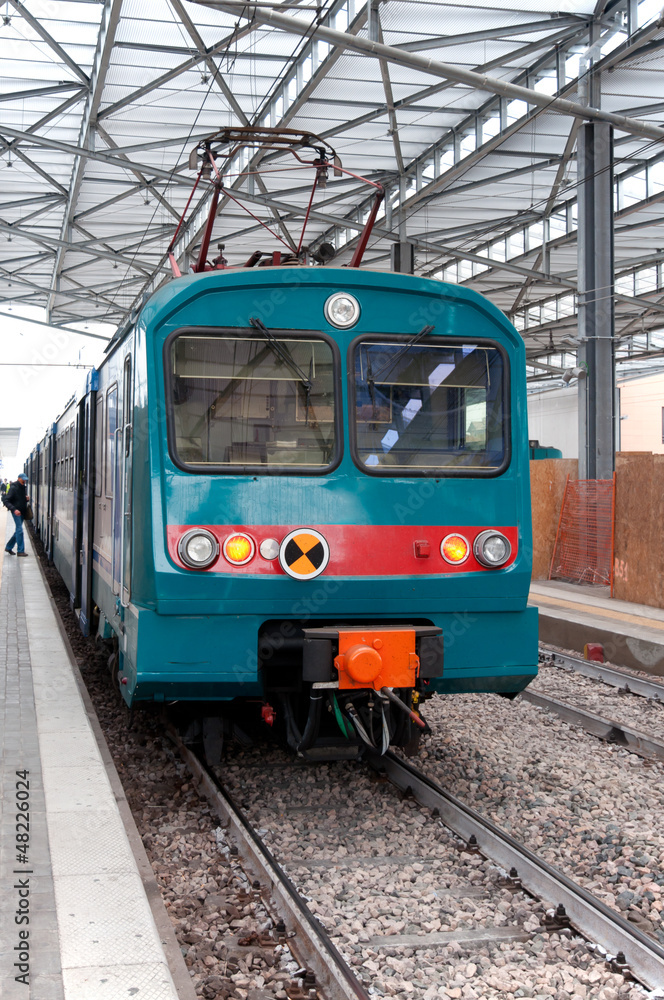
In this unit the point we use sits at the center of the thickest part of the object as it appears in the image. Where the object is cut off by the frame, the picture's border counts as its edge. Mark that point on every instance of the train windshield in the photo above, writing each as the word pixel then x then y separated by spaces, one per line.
pixel 253 402
pixel 429 408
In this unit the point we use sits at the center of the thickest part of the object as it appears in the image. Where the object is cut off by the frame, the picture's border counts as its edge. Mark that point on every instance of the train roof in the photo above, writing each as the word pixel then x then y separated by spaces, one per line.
pixel 185 287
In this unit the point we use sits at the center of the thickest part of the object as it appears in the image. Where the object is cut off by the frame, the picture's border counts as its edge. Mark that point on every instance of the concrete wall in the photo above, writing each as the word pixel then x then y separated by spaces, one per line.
pixel 553 421
pixel 641 405
pixel 547 485
pixel 553 417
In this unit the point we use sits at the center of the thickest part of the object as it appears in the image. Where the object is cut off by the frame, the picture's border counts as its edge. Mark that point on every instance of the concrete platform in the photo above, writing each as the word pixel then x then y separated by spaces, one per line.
pixel 571 615
pixel 75 919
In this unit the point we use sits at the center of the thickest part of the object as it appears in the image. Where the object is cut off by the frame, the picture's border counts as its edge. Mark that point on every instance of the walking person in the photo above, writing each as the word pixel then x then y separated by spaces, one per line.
pixel 16 500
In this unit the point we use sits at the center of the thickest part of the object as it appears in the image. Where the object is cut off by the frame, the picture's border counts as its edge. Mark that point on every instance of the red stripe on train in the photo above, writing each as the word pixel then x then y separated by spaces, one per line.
pixel 355 549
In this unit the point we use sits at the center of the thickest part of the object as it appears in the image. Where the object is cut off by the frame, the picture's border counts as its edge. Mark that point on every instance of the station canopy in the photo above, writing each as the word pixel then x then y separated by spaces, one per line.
pixel 455 108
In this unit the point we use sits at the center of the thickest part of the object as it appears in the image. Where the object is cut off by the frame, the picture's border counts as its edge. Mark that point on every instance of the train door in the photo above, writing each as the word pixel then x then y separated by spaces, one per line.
pixel 46 509
pixel 86 550
pixel 50 519
pixel 127 455
pixel 118 474
pixel 72 458
pixel 35 486
pixel 79 482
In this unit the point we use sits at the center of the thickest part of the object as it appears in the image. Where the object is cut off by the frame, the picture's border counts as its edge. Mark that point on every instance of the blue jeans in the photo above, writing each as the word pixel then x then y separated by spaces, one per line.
pixel 18 534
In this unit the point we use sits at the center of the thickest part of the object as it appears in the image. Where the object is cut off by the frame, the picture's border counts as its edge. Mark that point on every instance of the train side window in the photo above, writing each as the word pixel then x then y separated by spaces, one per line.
pixel 111 425
pixel 433 408
pixel 99 445
pixel 72 439
pixel 66 460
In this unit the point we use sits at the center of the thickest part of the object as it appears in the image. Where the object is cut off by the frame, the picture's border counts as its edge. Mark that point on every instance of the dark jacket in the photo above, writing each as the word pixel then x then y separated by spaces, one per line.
pixel 16 498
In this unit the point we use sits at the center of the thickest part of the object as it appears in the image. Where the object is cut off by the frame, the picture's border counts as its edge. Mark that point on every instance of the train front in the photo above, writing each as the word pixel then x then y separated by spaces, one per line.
pixel 331 501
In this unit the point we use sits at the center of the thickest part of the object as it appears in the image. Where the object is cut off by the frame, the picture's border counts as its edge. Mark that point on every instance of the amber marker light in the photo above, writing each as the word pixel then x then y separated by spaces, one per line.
pixel 239 549
pixel 454 549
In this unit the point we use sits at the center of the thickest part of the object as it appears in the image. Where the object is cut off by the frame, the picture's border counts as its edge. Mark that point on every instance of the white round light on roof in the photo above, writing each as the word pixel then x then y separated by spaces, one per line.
pixel 342 310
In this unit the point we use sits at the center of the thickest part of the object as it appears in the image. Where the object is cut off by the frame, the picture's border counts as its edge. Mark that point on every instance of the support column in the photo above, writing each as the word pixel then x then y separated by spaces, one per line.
pixel 402 254
pixel 596 316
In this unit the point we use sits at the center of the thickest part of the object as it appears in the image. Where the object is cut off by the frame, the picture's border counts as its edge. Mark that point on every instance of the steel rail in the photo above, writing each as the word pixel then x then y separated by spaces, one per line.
pixel 590 916
pixel 600 671
pixel 607 729
pixel 312 944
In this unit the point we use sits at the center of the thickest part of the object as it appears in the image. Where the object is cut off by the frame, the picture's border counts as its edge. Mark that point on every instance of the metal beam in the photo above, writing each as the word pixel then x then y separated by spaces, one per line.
pixel 465 164
pixel 51 42
pixel 305 91
pixel 172 74
pixel 144 183
pixel 110 19
pixel 192 31
pixel 504 31
pixel 553 194
pixel 423 244
pixel 27 95
pixel 53 199
pixel 33 166
pixel 448 71
pixel 389 98
pixel 93 154
pixel 54 244
pixel 596 315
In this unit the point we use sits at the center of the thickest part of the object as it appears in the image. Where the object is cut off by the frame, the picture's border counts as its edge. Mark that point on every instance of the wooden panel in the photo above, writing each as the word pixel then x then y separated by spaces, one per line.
pixel 639 534
pixel 547 485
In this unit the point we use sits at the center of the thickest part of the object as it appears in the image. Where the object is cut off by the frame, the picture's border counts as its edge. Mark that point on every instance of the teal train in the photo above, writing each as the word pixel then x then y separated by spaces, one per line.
pixel 299 496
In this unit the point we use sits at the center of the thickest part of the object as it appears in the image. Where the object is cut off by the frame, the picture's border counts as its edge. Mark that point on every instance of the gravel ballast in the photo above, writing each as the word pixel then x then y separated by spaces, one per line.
pixel 373 872
pixel 590 808
pixel 641 714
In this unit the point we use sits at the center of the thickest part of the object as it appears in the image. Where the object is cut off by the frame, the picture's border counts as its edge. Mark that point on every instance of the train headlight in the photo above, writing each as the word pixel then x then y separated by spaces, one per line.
pixel 239 549
pixel 342 310
pixel 198 549
pixel 491 548
pixel 454 549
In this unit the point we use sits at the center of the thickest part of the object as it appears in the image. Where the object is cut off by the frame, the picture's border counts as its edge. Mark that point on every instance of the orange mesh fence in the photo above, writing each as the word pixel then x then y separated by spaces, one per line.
pixel 583 552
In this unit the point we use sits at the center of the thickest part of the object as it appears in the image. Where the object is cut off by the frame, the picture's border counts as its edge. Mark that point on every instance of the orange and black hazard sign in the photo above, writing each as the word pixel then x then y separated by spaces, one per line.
pixel 304 553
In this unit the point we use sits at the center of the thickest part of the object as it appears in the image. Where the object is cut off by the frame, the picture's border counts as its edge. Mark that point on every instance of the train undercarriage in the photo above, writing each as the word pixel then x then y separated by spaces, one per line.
pixel 330 690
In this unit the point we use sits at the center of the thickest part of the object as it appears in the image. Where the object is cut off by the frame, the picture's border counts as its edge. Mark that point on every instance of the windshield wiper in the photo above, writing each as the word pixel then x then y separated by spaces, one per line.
pixel 391 363
pixel 283 353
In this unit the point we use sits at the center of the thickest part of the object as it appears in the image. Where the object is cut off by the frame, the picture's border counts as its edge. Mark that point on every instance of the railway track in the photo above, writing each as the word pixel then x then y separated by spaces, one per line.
pixel 609 729
pixel 310 943
pixel 622 947
pixel 628 948
pixel 624 680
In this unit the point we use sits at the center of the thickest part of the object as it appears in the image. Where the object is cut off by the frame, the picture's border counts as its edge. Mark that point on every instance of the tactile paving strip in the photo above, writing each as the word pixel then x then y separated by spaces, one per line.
pixel 119 982
pixel 77 748
pixel 104 920
pixel 91 843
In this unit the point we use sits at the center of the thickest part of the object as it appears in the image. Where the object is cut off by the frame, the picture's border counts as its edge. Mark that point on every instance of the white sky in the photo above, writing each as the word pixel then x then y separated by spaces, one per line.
pixel 32 391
